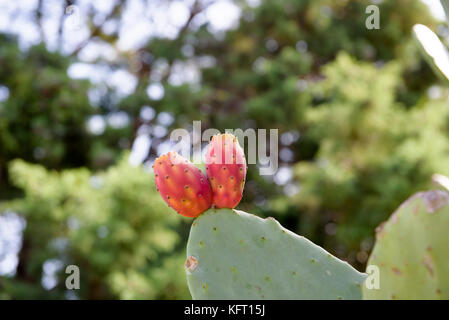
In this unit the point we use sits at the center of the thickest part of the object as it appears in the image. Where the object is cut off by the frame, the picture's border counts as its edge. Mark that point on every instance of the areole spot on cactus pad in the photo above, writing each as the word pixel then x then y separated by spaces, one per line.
pixel 182 185
pixel 226 170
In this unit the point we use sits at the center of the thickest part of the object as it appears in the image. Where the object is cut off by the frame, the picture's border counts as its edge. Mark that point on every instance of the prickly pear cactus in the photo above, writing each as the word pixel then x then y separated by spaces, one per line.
pixel 236 255
pixel 412 250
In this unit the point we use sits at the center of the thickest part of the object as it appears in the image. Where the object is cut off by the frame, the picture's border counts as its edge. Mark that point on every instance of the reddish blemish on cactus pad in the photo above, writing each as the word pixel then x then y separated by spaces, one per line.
pixel 226 170
pixel 182 185
pixel 191 263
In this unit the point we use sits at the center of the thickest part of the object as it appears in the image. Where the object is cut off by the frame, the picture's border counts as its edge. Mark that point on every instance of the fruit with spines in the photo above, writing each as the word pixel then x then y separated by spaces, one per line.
pixel 226 170
pixel 182 185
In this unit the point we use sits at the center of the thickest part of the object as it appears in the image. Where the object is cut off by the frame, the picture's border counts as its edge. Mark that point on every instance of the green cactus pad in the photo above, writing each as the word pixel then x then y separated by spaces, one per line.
pixel 235 255
pixel 412 250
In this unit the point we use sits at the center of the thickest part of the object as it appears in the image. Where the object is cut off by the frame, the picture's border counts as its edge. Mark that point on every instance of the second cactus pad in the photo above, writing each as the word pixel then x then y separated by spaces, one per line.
pixel 411 250
pixel 236 255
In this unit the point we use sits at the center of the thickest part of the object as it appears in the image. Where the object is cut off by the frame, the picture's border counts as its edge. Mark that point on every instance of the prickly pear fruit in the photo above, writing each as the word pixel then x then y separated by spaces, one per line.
pixel 226 170
pixel 182 185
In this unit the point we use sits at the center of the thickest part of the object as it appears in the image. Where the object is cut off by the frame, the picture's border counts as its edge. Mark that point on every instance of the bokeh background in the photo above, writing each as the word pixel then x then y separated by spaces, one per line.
pixel 90 91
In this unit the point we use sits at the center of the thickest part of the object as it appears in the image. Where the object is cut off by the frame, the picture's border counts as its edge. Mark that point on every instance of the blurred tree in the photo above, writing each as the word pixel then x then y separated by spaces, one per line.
pixel 43 119
pixel 257 75
pixel 117 230
pixel 374 153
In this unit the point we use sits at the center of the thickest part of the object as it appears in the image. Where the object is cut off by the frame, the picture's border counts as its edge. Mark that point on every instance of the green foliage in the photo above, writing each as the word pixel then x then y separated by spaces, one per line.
pixel 373 151
pixel 411 250
pixel 44 117
pixel 112 225
pixel 258 66
pixel 236 255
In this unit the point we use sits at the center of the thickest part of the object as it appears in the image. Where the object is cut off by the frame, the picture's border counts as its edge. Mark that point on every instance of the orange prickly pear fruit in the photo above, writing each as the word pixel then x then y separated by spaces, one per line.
pixel 226 170
pixel 182 185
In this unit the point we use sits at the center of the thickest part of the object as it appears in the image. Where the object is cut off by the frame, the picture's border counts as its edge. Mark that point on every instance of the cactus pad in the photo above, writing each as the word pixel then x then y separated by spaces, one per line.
pixel 411 250
pixel 235 255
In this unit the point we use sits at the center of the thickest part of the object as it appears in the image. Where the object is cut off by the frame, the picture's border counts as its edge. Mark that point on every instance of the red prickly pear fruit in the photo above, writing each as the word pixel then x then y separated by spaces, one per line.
pixel 226 170
pixel 182 185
